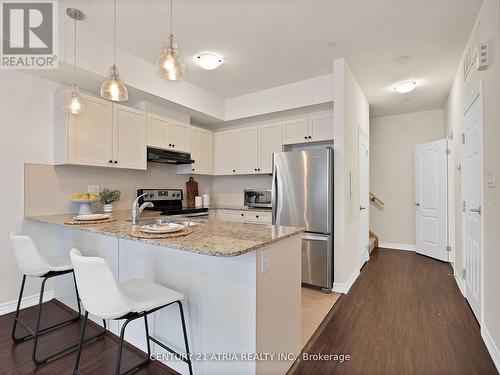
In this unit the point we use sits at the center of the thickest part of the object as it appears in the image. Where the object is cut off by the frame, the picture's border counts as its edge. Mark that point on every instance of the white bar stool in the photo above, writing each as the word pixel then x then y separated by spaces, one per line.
pixel 104 298
pixel 31 263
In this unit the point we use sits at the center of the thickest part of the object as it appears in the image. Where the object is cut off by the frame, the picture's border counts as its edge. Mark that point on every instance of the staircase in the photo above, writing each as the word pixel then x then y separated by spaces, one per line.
pixel 373 241
pixel 373 236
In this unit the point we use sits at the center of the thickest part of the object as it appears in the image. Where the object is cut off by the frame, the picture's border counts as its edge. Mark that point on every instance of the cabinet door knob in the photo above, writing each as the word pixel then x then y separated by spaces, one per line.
pixel 310 137
pixel 170 145
pixel 234 170
pixel 116 162
pixel 242 215
pixel 173 145
pixel 111 161
pixel 257 216
pixel 192 169
pixel 258 169
pixel 305 137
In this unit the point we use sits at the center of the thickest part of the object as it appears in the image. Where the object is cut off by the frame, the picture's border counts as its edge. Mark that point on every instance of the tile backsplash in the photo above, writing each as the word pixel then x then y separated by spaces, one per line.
pixel 48 189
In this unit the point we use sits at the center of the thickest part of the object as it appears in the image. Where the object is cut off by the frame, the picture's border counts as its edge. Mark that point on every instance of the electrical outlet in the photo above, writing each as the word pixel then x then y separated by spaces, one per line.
pixel 491 178
pixel 93 189
pixel 264 261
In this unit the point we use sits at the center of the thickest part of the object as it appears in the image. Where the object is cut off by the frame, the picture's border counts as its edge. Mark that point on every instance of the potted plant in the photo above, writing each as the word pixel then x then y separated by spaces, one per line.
pixel 108 197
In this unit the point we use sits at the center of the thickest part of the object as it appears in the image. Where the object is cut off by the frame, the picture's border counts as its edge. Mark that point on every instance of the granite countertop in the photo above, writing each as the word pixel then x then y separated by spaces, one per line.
pixel 212 237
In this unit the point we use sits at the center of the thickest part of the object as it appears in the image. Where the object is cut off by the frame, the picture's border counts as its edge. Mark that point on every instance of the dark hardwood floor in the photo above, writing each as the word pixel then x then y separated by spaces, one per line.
pixel 98 358
pixel 404 315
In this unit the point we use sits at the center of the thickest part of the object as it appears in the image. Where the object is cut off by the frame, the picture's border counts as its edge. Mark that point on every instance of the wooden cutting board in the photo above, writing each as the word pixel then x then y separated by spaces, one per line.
pixel 191 191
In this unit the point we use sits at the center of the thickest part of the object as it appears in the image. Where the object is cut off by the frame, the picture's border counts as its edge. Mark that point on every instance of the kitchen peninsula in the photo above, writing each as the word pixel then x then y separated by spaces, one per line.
pixel 241 282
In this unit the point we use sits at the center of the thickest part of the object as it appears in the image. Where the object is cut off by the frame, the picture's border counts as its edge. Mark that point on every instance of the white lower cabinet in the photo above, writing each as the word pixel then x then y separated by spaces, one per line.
pixel 253 217
pixel 231 215
pixel 246 217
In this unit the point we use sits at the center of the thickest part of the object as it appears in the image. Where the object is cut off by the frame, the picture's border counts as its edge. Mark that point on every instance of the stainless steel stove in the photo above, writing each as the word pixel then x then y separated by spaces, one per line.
pixel 169 202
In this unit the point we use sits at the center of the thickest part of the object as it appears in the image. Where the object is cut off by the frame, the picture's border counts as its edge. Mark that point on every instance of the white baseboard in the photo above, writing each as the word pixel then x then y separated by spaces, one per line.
pixel 459 280
pixel 396 246
pixel 10 306
pixel 491 346
pixel 344 287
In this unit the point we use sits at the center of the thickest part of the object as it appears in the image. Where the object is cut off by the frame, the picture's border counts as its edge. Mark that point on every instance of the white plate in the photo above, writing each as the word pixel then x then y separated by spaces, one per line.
pixel 90 217
pixel 162 228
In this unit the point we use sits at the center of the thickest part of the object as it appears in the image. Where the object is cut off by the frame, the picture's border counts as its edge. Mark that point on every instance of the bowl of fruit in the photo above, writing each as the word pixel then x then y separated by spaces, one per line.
pixel 85 201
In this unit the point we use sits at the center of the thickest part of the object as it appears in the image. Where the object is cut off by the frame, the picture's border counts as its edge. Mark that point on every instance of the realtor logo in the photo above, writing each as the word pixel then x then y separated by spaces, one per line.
pixel 29 34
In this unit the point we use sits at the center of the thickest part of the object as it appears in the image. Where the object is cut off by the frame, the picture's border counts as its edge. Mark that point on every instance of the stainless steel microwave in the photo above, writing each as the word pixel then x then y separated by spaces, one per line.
pixel 257 198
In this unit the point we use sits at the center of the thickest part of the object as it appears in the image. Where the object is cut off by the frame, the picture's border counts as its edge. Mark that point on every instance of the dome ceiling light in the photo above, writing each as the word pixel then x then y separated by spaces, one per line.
pixel 208 60
pixel 405 87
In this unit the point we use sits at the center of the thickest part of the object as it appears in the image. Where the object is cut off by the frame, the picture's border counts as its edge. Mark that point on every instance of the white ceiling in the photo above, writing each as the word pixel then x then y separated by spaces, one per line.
pixel 267 43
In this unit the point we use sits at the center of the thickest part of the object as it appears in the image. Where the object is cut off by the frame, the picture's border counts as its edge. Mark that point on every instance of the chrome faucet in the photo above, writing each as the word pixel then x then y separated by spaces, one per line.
pixel 136 210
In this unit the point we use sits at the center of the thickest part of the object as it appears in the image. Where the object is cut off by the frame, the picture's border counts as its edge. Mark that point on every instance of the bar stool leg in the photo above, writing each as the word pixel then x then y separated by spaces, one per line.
pixel 188 361
pixel 13 335
pixel 37 327
pixel 80 346
pixel 147 335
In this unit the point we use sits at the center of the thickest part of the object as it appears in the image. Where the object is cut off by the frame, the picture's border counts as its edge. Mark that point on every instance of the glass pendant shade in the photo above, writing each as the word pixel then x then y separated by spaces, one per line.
pixel 74 103
pixel 170 63
pixel 113 87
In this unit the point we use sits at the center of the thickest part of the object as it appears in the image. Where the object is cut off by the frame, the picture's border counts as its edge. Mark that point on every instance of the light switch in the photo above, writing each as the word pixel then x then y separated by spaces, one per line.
pixel 491 178
pixel 264 254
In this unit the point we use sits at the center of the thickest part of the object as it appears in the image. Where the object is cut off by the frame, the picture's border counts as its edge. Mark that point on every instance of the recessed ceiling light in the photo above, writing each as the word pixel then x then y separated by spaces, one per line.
pixel 208 60
pixel 405 87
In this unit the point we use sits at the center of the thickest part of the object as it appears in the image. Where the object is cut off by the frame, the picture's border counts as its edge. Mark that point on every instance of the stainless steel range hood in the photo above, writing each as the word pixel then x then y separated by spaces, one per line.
pixel 156 155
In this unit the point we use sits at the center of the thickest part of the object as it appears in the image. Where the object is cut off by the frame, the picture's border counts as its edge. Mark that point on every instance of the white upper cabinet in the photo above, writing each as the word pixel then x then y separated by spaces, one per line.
pixel 129 137
pixel 167 134
pixel 295 131
pixel 312 128
pixel 103 134
pixel 202 153
pixel 225 152
pixel 180 137
pixel 321 127
pixel 247 160
pixel 270 142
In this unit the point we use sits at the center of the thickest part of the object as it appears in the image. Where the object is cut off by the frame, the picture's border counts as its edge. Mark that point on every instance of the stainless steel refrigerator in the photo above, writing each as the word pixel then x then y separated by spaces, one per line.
pixel 302 196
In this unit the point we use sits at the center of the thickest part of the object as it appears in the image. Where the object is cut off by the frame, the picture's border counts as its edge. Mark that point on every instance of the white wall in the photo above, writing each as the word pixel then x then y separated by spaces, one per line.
pixel 489 17
pixel 293 95
pixel 351 111
pixel 392 173
pixel 26 125
pixel 228 190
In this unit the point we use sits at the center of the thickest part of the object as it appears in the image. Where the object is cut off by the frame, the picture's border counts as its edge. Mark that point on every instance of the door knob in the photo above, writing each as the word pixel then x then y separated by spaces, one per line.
pixel 361 208
pixel 417 204
pixel 476 210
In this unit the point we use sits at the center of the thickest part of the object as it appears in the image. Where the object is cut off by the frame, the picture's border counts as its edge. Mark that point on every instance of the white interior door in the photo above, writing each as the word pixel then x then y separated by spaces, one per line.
pixel 431 199
pixel 363 178
pixel 472 190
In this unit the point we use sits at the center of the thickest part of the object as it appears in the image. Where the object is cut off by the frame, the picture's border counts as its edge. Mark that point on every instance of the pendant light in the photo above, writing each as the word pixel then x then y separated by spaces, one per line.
pixel 170 63
pixel 73 102
pixel 113 87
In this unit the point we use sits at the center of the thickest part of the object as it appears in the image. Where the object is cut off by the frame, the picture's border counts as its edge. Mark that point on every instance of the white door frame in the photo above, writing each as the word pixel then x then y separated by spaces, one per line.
pixel 451 198
pixel 363 257
pixel 478 92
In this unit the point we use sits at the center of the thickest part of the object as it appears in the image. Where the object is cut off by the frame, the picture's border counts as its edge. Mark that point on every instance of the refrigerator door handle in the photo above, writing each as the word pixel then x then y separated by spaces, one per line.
pixel 274 194
pixel 329 216
pixel 312 237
